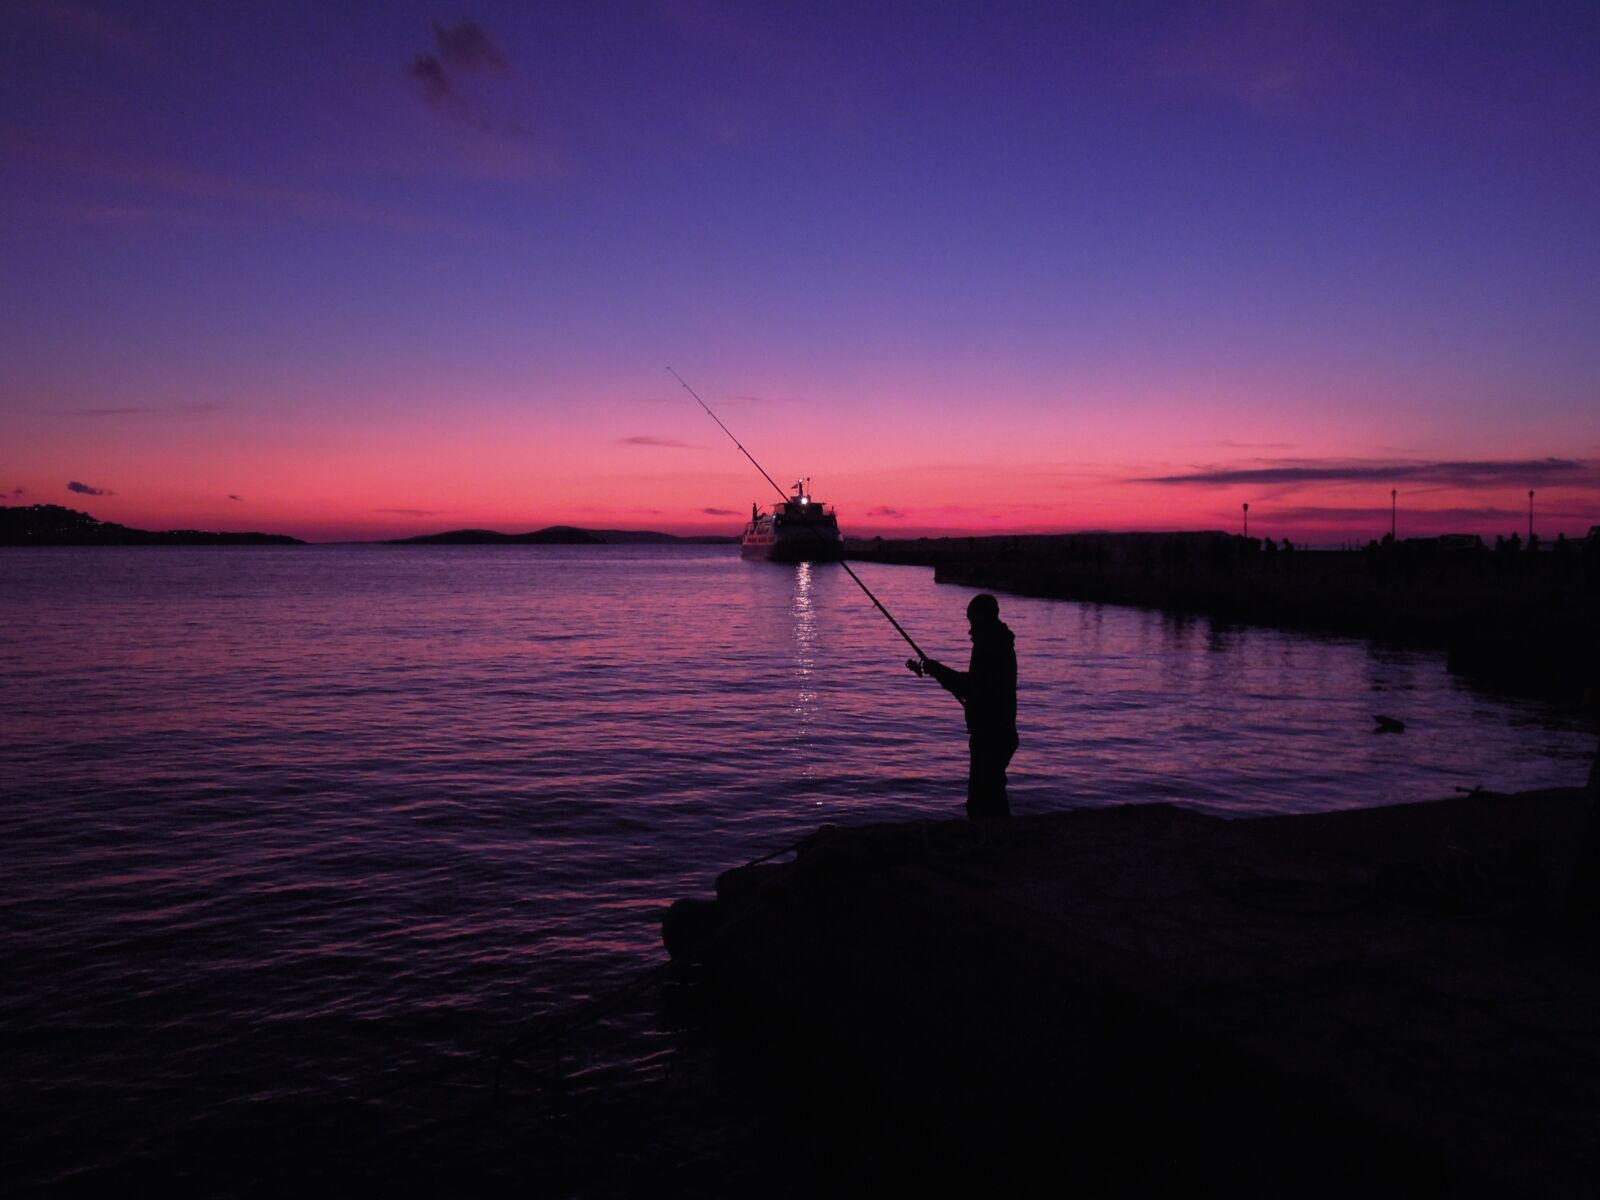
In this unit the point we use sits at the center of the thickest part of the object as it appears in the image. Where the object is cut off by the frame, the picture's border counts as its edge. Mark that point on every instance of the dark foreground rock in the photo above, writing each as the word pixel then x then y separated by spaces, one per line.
pixel 1401 999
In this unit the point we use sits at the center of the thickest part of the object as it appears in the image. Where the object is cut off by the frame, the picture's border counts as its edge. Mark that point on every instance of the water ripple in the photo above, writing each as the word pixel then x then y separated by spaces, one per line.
pixel 283 819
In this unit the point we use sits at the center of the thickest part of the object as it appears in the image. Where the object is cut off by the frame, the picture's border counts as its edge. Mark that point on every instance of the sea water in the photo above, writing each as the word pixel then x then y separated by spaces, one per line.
pixel 282 820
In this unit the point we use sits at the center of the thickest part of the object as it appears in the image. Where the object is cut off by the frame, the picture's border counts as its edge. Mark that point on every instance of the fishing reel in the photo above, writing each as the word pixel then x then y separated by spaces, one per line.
pixel 914 665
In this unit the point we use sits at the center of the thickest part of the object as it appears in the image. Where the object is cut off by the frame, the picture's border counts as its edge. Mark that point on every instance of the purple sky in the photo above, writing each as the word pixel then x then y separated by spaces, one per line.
pixel 357 270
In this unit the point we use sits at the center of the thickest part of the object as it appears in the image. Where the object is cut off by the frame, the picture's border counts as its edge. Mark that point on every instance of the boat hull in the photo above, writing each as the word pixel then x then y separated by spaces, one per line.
pixel 803 548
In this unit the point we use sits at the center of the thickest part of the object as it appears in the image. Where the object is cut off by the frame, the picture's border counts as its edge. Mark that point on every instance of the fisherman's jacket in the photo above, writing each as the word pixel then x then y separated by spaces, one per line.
pixel 988 687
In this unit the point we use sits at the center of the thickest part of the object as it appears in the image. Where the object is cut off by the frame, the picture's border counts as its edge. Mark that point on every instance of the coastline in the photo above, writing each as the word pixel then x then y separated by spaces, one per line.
pixel 1525 623
pixel 1397 997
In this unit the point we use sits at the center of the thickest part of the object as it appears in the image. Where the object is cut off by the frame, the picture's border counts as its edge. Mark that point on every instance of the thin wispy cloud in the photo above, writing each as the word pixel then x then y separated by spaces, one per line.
pixel 719 512
pixel 89 25
pixel 1466 473
pixel 785 63
pixel 684 399
pixel 645 439
pixel 16 493
pixel 883 510
pixel 1337 63
pixel 231 496
pixel 1378 515
pixel 84 489
pixel 142 410
pixel 264 200
pixel 408 512
pixel 115 215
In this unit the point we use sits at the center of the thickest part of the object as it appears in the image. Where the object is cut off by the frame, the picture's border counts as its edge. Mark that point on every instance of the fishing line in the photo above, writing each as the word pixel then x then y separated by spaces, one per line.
pixel 782 495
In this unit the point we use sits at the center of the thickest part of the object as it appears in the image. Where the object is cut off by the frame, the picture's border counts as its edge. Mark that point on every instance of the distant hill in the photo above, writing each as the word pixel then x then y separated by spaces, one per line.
pixel 53 525
pixel 556 535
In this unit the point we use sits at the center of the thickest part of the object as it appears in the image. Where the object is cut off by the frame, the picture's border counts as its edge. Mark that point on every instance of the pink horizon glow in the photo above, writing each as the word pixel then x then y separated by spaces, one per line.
pixel 330 495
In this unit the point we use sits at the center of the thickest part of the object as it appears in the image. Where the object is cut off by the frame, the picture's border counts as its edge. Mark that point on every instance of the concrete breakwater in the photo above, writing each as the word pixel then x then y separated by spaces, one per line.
pixel 1401 999
pixel 1525 622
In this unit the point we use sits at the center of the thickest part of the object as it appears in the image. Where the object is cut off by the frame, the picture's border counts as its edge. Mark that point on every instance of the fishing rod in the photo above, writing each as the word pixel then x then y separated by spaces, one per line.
pixel 784 496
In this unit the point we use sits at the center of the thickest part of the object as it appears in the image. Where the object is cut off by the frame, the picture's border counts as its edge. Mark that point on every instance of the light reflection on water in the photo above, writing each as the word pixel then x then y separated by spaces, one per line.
pixel 292 801
pixel 804 710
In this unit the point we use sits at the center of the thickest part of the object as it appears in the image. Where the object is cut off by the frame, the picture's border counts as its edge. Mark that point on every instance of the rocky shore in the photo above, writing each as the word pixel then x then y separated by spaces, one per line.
pixel 1525 622
pixel 1403 998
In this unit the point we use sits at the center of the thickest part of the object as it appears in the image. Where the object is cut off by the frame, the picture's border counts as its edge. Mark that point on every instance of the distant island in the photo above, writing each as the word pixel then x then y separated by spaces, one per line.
pixel 53 525
pixel 559 535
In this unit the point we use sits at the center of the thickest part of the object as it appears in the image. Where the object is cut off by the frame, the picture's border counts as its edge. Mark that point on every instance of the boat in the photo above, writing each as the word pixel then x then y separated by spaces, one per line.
pixel 801 529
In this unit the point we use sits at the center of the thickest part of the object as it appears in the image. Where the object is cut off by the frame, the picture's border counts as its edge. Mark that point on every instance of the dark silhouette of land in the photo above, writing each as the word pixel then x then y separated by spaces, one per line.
pixel 1519 619
pixel 558 535
pixel 1144 998
pixel 53 525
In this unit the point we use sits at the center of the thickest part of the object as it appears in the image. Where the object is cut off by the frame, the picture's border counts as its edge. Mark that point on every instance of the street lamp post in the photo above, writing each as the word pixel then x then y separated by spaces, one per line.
pixel 1247 520
pixel 1394 499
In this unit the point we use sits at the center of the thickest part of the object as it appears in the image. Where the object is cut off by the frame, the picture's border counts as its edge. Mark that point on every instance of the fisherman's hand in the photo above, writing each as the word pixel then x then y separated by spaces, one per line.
pixel 914 666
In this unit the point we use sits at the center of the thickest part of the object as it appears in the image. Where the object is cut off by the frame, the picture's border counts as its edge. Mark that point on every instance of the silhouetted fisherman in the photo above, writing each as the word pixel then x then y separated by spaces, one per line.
pixel 988 689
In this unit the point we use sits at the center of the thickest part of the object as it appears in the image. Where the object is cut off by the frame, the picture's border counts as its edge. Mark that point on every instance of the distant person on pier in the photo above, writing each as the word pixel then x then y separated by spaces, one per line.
pixel 988 690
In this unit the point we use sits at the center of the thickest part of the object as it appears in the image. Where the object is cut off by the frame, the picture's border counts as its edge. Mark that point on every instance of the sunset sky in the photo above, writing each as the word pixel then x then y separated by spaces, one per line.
pixel 369 270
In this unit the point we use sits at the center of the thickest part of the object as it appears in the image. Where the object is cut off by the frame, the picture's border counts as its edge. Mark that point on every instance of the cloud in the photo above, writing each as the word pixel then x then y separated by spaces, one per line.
pixel 1413 521
pixel 83 489
pixel 271 200
pixel 16 493
pixel 430 75
pixel 467 47
pixel 106 214
pixel 231 496
pixel 720 512
pixel 1344 63
pixel 1379 514
pixel 409 512
pixel 141 410
pixel 645 439
pixel 1482 473
pixel 883 510
pixel 682 398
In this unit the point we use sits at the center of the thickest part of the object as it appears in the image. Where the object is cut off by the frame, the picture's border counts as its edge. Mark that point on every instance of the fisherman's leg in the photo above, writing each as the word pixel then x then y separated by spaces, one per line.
pixel 975 782
pixel 1002 761
pixel 986 780
pixel 972 781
